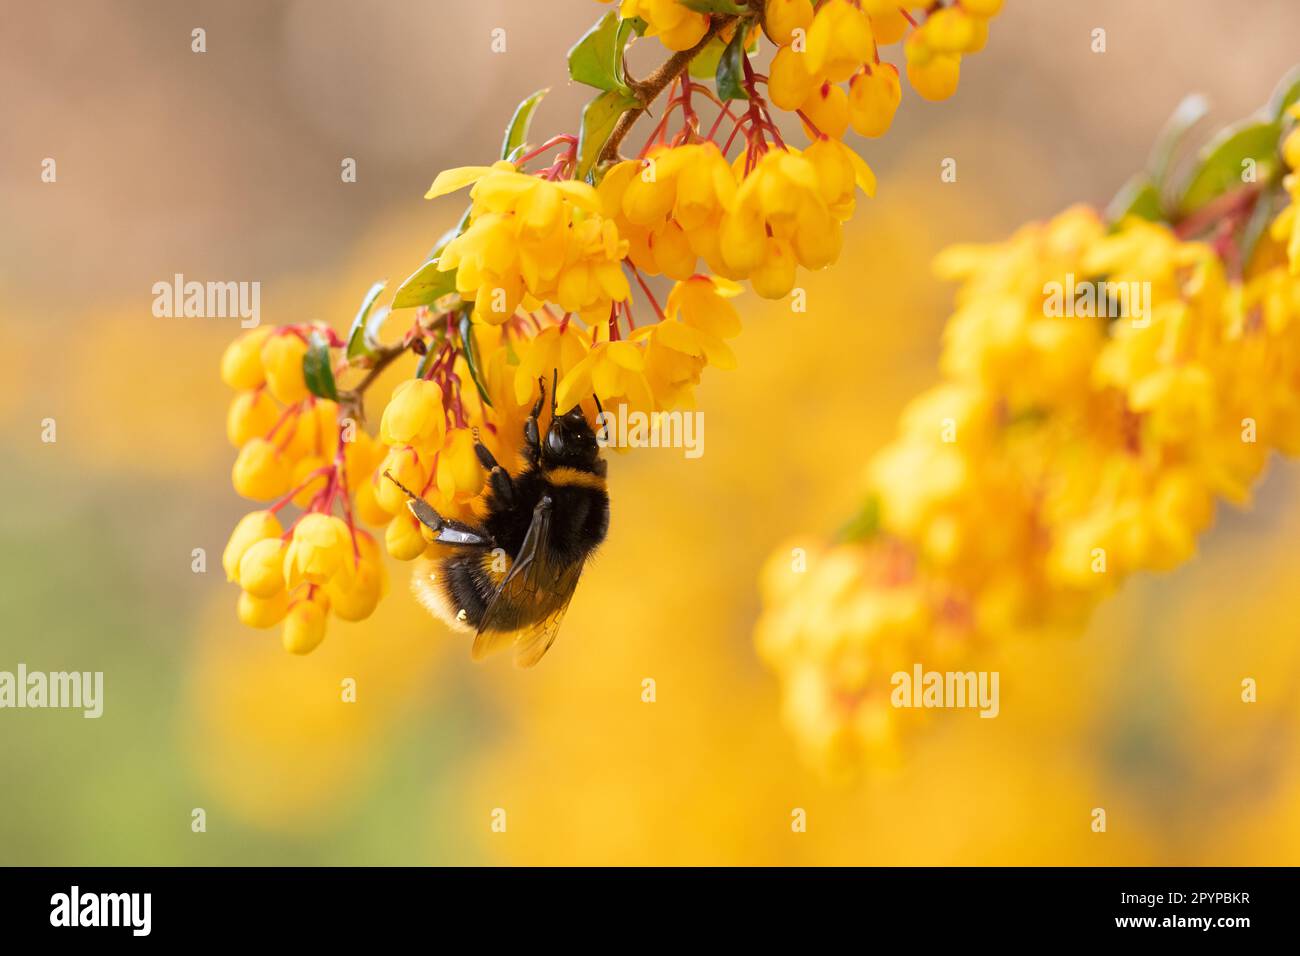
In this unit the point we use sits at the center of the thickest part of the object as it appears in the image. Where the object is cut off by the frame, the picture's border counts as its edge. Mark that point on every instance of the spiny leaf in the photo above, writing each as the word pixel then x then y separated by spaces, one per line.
pixel 1138 197
pixel 425 286
pixel 358 340
pixel 316 368
pixel 517 131
pixel 597 58
pixel 1286 93
pixel 1220 166
pixel 599 117
pixel 731 70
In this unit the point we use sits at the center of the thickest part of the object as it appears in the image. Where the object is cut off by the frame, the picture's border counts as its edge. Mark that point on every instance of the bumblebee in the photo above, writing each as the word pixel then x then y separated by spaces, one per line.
pixel 510 579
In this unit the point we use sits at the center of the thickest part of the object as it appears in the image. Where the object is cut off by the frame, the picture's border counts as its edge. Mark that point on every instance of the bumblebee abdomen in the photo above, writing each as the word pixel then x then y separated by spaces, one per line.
pixel 459 587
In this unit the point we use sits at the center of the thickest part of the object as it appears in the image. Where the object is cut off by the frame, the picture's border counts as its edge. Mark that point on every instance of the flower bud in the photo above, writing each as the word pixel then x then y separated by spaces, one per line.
pixel 304 626
pixel 873 100
pixel 403 538
pixel 782 17
pixel 407 468
pixel 282 358
pixel 253 527
pixel 241 363
pixel 251 415
pixel 260 472
pixel 933 75
pixel 827 108
pixel 354 597
pixel 367 505
pixel 262 612
pixel 789 79
pixel 261 569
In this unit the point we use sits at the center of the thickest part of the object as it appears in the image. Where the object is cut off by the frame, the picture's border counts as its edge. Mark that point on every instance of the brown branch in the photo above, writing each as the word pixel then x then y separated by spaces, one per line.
pixel 649 89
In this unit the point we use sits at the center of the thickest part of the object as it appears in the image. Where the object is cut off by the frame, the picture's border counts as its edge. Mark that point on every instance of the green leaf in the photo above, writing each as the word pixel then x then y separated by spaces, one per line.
pixel 725 7
pixel 597 58
pixel 425 286
pixel 470 351
pixel 731 70
pixel 316 368
pixel 423 365
pixel 1219 167
pixel 705 64
pixel 358 340
pixel 599 117
pixel 517 131
pixel 1286 93
pixel 1138 197
pixel 375 323
pixel 1187 114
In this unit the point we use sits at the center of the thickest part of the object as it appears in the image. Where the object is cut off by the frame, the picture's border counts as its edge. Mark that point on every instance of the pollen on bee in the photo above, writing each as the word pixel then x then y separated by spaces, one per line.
pixel 460 615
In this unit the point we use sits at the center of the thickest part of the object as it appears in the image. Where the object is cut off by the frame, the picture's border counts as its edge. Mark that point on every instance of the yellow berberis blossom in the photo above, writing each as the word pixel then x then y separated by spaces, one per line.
pixel 1066 448
pixel 531 241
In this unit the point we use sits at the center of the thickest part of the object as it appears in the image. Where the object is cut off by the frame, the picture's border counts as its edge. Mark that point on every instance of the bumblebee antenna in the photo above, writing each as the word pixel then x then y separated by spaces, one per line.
pixel 555 387
pixel 599 411
pixel 409 492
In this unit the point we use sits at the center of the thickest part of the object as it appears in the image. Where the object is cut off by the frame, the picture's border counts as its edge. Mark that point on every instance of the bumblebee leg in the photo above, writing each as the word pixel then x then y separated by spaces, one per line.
pixel 532 435
pixel 502 486
pixel 446 530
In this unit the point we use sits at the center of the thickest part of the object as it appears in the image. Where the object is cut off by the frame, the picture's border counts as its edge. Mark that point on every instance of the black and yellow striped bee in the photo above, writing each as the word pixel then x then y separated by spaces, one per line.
pixel 510 579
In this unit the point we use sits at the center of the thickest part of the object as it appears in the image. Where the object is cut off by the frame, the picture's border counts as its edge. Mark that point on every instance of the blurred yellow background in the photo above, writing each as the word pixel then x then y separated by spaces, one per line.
pixel 225 166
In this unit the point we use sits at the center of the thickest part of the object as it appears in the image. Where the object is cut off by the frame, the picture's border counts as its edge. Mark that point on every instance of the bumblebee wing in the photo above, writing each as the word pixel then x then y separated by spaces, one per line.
pixel 533 643
pixel 530 603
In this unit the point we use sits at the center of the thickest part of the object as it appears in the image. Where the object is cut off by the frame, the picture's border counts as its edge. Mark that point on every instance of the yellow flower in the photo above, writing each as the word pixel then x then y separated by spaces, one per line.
pixel 615 372
pixel 252 528
pixel 677 26
pixel 260 472
pixel 790 82
pixel 319 548
pixel 555 347
pixel 459 474
pixel 304 626
pixel 414 415
pixel 282 355
pixel 530 241
pixel 839 41
pixel 933 75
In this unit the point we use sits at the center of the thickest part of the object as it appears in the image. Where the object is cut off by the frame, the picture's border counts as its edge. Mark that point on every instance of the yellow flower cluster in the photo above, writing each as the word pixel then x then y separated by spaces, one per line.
pixel 840 41
pixel 757 222
pixel 529 241
pixel 293 448
pixel 1072 443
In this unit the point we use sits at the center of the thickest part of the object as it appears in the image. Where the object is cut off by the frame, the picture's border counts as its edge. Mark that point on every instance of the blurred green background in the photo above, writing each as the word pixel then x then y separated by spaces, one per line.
pixel 225 166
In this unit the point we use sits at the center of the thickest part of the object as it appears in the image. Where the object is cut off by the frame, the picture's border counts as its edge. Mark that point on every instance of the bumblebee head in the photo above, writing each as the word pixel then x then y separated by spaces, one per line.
pixel 570 441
